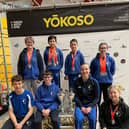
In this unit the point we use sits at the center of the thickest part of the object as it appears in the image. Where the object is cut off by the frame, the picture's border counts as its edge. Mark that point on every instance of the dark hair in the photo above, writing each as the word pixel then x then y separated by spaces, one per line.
pixel 16 78
pixel 47 72
pixel 52 37
pixel 73 40
pixel 103 43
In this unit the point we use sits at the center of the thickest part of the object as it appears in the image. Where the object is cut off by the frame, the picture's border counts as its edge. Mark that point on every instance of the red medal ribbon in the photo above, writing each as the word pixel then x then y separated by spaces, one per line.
pixel 102 61
pixel 113 112
pixel 52 54
pixel 29 55
pixel 73 55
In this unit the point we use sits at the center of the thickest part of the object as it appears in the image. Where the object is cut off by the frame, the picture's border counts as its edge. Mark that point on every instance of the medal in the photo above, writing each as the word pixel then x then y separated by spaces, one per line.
pixel 73 69
pixel 49 63
pixel 113 122
pixel 113 113
pixel 29 66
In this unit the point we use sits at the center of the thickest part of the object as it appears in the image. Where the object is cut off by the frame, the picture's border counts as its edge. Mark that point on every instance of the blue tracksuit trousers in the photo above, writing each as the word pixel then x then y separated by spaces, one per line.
pixel 79 118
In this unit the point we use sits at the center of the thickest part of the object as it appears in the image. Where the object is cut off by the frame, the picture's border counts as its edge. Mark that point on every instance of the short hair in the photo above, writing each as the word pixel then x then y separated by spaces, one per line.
pixel 47 72
pixel 29 38
pixel 16 78
pixel 73 40
pixel 103 43
pixel 52 37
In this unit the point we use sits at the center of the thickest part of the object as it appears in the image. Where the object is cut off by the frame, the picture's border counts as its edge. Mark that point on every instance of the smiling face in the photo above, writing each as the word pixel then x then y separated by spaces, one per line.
pixel 47 79
pixel 114 95
pixel 103 47
pixel 18 86
pixel 52 43
pixel 73 46
pixel 29 43
pixel 85 71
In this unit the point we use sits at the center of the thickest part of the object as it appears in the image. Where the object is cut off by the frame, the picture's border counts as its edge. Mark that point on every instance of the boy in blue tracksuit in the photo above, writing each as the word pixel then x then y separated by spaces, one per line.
pixel 47 102
pixel 20 106
pixel 53 58
pixel 73 62
pixel 87 93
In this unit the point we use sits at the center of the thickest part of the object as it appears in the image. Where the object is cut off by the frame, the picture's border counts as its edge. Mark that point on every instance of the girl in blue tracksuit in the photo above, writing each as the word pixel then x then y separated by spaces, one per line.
pixel 87 93
pixel 53 58
pixel 47 102
pixel 73 62
pixel 102 69
pixel 30 65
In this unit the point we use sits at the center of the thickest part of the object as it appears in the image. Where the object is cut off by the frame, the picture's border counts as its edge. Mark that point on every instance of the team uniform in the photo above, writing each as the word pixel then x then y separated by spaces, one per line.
pixel 47 98
pixel 72 66
pixel 54 63
pixel 30 71
pixel 103 73
pixel 120 118
pixel 20 105
pixel 86 95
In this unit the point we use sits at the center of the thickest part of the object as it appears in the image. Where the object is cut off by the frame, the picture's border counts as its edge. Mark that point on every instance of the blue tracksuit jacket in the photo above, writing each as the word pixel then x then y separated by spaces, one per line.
pixel 36 70
pixel 79 60
pixel 110 67
pixel 60 60
pixel 47 97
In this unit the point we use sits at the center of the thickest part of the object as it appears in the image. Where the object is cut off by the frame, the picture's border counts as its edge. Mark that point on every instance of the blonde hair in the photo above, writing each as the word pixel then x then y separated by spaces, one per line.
pixel 29 38
pixel 119 88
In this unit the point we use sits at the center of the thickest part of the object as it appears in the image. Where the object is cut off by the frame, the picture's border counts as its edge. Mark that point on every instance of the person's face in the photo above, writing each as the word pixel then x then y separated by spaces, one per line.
pixel 29 44
pixel 47 79
pixel 114 95
pixel 103 49
pixel 18 86
pixel 73 46
pixel 85 70
pixel 52 43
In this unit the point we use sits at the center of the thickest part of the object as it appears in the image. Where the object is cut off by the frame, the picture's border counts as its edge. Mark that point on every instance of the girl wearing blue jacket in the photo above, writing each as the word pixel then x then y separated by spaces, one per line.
pixel 30 65
pixel 102 69
pixel 53 58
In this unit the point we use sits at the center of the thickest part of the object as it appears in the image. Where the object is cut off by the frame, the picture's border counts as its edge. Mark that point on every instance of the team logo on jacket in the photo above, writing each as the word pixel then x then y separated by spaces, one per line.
pixel 24 101
pixel 118 113
pixel 90 87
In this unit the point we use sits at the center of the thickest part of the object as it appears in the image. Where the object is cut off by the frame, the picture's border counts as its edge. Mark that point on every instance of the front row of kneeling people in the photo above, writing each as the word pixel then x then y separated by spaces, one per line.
pixel 113 113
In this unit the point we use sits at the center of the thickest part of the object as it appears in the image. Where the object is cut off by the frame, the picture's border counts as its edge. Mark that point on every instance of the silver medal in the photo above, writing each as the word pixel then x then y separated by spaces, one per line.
pixel 29 66
pixel 113 122
pixel 73 69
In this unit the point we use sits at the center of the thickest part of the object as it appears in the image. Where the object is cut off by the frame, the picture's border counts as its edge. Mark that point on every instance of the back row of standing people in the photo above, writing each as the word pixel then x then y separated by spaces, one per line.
pixel 30 64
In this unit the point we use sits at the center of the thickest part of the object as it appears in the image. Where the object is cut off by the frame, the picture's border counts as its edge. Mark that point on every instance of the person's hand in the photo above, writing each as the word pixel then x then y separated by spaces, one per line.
pixel 45 112
pixel 83 110
pixel 104 128
pixel 38 81
pixel 88 109
pixel 19 126
pixel 66 77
